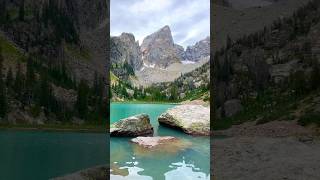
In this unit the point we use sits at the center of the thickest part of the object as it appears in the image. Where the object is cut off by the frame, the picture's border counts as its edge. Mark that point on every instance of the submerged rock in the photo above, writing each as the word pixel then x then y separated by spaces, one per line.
pixel 150 142
pixel 138 125
pixel 191 119
pixel 158 146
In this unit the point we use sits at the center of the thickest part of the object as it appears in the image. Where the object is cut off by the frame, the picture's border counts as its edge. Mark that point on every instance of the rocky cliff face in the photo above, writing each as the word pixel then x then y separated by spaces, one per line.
pixel 158 49
pixel 200 50
pixel 68 37
pixel 276 61
pixel 125 49
pixel 75 31
pixel 179 51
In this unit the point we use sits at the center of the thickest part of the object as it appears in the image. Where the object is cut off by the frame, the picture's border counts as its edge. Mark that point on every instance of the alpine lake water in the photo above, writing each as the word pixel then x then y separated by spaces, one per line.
pixel 128 163
pixel 40 155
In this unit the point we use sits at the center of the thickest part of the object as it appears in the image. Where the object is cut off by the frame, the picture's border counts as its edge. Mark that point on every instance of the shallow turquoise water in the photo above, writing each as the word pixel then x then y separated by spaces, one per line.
pixel 191 163
pixel 39 155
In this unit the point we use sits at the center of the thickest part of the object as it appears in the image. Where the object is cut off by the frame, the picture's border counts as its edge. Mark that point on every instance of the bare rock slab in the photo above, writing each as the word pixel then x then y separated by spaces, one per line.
pixel 138 125
pixel 191 119
pixel 150 142
pixel 158 146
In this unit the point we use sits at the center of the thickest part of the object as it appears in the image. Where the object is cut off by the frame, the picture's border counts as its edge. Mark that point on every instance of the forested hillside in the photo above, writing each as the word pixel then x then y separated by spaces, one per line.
pixel 272 74
pixel 49 71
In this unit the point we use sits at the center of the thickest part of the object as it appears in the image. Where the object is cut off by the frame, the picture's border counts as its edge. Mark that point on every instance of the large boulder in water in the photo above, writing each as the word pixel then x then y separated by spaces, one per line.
pixel 191 119
pixel 138 125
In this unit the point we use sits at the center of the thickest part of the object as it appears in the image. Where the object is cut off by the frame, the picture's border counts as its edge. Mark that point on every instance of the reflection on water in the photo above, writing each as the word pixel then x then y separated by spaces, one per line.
pixel 187 171
pixel 178 170
pixel 189 159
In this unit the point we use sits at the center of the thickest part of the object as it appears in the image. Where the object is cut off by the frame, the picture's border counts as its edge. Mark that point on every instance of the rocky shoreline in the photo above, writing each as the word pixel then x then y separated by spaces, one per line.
pixel 96 173
pixel 275 150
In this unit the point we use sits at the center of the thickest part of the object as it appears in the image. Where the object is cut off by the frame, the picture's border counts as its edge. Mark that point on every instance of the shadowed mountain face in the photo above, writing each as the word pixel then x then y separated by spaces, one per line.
pixel 53 50
pixel 249 18
pixel 200 50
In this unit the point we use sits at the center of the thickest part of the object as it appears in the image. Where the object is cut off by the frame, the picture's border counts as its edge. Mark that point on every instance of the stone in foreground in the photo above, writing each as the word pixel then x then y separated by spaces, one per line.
pixel 191 119
pixel 138 125
pixel 98 173
pixel 150 142
pixel 159 146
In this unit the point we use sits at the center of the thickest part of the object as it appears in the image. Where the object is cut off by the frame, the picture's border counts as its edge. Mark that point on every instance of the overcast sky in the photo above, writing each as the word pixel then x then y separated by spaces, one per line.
pixel 189 20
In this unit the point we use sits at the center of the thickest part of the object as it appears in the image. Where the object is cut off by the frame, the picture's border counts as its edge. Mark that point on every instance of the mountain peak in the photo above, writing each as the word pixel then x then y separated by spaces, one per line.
pixel 128 36
pixel 165 28
pixel 158 48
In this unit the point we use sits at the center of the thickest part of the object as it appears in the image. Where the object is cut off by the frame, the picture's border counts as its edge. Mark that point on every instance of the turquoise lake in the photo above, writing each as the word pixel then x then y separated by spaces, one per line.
pixel 189 163
pixel 40 155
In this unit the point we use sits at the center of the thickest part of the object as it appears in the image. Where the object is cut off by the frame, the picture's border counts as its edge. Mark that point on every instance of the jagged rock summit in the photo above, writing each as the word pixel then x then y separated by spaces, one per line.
pixel 198 51
pixel 158 49
pixel 125 49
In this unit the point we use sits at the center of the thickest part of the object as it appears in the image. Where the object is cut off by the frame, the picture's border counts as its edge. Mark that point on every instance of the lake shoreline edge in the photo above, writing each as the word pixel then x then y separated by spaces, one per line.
pixel 53 129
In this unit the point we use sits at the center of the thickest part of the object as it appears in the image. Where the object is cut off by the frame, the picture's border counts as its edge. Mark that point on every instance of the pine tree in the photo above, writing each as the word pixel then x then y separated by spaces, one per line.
pixel 44 92
pixel 3 12
pixel 3 96
pixel 30 75
pixel 9 78
pixel 21 11
pixel 82 99
pixel 228 42
pixel 19 81
pixel 315 76
pixel 30 80
pixel 95 84
pixel 173 93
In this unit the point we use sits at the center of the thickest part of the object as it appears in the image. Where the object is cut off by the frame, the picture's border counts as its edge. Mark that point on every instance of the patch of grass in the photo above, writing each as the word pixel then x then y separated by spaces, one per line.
pixel 310 118
pixel 35 110
pixel 195 94
pixel 268 106
pixel 113 78
pixel 10 51
pixel 76 52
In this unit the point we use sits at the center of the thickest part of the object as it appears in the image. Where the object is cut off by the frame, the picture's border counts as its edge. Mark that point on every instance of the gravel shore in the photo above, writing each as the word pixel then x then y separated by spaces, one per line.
pixel 272 151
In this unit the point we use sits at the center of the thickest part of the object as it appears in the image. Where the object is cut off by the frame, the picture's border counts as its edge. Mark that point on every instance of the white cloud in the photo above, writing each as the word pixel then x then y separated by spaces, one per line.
pixel 189 20
pixel 147 6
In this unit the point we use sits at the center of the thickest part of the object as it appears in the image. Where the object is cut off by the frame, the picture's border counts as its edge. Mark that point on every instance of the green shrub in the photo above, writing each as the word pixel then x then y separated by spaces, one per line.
pixel 309 118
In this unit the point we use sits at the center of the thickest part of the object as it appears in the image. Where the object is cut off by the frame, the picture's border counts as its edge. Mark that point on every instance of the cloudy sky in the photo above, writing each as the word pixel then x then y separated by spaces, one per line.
pixel 189 20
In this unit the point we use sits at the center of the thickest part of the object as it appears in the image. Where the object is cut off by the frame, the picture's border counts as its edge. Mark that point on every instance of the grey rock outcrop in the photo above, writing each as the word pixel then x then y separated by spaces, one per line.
pixel 198 51
pixel 232 107
pixel 191 119
pixel 124 48
pixel 179 51
pixel 159 49
pixel 138 125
